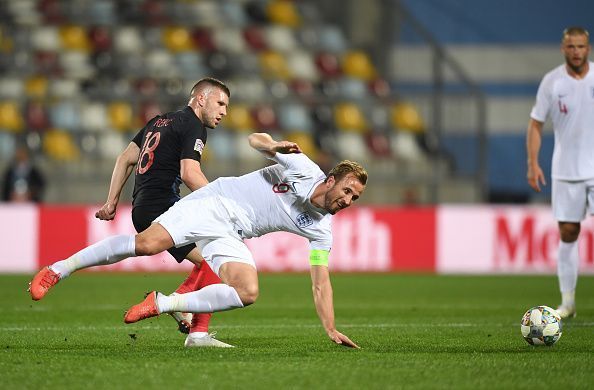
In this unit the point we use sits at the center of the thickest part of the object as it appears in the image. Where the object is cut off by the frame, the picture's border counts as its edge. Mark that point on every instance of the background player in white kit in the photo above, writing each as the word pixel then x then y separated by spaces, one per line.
pixel 566 94
pixel 294 196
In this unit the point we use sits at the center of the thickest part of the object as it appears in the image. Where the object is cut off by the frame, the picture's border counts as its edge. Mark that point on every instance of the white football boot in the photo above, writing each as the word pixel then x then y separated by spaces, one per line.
pixel 566 311
pixel 204 340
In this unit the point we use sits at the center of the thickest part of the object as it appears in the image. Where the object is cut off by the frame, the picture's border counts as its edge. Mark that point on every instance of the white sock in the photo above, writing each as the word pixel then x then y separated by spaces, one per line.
pixel 567 271
pixel 197 335
pixel 107 251
pixel 209 299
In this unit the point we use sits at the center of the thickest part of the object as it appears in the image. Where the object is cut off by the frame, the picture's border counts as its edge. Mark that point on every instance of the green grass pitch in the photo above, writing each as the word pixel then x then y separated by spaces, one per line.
pixel 416 331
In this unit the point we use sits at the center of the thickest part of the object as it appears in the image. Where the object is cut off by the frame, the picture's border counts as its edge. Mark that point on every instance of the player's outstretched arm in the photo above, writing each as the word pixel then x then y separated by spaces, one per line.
pixel 264 143
pixel 121 172
pixel 323 299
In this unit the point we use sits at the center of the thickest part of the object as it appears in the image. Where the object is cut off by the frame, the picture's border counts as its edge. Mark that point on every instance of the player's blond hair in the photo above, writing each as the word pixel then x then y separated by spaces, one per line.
pixel 575 30
pixel 345 167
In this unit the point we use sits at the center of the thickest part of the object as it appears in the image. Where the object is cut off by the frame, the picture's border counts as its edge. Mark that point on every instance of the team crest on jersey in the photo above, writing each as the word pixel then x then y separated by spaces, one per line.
pixel 199 146
pixel 304 220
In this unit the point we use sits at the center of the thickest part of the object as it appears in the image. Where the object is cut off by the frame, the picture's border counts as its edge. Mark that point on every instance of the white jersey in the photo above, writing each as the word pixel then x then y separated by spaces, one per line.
pixel 570 104
pixel 276 198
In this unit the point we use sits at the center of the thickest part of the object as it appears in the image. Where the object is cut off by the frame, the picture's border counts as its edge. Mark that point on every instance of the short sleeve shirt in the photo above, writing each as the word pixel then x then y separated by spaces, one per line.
pixel 164 142
pixel 570 105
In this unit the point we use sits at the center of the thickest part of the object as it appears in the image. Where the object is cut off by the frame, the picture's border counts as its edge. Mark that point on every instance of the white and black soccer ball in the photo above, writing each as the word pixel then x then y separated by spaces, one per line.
pixel 541 325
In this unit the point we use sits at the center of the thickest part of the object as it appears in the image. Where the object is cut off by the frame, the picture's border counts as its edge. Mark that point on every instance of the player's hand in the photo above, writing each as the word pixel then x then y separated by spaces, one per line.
pixel 535 178
pixel 107 212
pixel 287 147
pixel 341 339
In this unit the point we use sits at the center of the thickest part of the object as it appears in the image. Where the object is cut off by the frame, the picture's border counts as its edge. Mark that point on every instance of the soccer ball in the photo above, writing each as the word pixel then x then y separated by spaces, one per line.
pixel 541 325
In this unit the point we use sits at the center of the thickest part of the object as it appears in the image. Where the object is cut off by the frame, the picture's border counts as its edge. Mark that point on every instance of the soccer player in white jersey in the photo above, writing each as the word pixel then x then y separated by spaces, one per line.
pixel 293 195
pixel 566 95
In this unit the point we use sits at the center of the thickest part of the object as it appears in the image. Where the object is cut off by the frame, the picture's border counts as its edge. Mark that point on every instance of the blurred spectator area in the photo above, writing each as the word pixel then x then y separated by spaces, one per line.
pixel 78 78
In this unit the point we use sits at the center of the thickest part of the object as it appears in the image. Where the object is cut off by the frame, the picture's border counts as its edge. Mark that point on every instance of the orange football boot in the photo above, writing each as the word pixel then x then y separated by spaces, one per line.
pixel 143 310
pixel 42 282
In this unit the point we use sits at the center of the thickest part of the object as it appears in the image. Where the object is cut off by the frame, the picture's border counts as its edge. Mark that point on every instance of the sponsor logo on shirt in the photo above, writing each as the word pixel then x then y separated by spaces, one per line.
pixel 199 146
pixel 304 220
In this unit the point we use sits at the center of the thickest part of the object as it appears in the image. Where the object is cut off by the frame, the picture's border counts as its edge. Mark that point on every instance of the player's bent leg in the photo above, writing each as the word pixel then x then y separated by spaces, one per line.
pixel 153 240
pixel 243 277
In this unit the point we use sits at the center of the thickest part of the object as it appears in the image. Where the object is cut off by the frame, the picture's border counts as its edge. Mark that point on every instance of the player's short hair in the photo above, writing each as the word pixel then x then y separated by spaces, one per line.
pixel 208 82
pixel 345 167
pixel 575 30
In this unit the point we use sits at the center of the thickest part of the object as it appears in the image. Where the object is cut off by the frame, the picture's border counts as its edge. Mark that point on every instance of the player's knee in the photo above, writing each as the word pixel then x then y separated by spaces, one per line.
pixel 248 294
pixel 569 231
pixel 144 247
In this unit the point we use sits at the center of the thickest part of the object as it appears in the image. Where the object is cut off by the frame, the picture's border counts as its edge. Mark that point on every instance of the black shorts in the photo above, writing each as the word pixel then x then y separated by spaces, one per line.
pixel 143 216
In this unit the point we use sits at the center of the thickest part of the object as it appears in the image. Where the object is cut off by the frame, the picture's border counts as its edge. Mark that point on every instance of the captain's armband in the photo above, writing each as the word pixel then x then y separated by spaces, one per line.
pixel 318 257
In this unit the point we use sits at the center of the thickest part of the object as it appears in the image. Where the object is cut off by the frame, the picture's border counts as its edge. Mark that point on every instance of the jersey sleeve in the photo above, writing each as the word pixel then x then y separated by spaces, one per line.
pixel 295 163
pixel 192 140
pixel 541 108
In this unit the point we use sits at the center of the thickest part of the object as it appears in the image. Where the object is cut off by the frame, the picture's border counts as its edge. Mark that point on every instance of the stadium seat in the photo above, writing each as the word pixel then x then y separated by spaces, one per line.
pixel 379 144
pixel 222 144
pixel 405 117
pixel 352 146
pixel 302 65
pixel 94 117
pixel 177 39
pixel 203 39
pixel 264 118
pixel 76 65
pixel 239 118
pixel 404 146
pixel 120 116
pixel 36 117
pixel 36 87
pixel 294 116
pixel 305 141
pixel 328 64
pixel 380 88
pixel 7 144
pixel 11 87
pixel 273 65
pixel 280 38
pixel 10 117
pixel 102 12
pixel 256 11
pixel 250 89
pixel 283 12
pixel 348 117
pixel 64 88
pixel 254 37
pixel 331 39
pixel 229 39
pixel 45 38
pixel 352 89
pixel 65 115
pixel 111 144
pixel 303 88
pixel 233 13
pixel 46 63
pixel 148 110
pixel 74 37
pixel 160 64
pixel 128 40
pixel 59 145
pixel 100 38
pixel 358 65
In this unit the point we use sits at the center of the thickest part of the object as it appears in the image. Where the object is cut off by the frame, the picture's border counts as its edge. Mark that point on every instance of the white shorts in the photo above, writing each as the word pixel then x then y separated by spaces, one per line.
pixel 571 199
pixel 202 219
